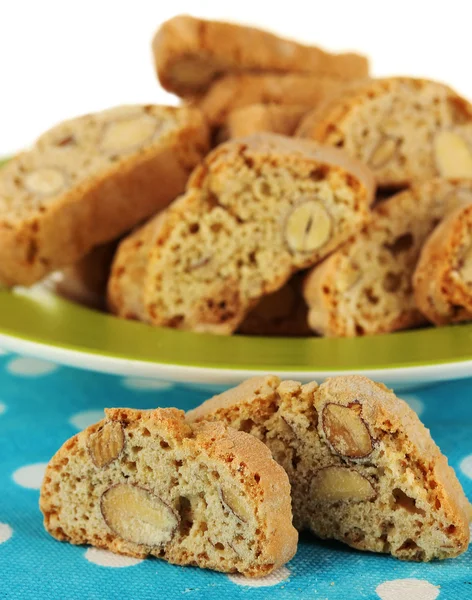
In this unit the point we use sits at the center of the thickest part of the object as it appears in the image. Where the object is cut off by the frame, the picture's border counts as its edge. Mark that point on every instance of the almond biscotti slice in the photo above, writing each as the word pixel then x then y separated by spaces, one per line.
pixel 283 313
pixel 404 129
pixel 363 468
pixel 128 272
pixel 366 286
pixel 443 278
pixel 260 118
pixel 191 53
pixel 256 211
pixel 148 483
pixel 238 91
pixel 89 180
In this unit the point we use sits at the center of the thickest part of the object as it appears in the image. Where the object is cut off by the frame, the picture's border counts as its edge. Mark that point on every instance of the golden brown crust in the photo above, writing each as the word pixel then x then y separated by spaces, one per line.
pixel 260 118
pixel 233 92
pixel 231 233
pixel 391 124
pixel 442 279
pixel 365 287
pixel 418 510
pixel 112 192
pixel 191 53
pixel 196 461
pixel 128 272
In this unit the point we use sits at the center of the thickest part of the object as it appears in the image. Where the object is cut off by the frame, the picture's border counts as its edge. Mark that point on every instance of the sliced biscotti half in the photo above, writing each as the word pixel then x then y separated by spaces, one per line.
pixel 282 313
pixel 89 180
pixel 404 129
pixel 148 483
pixel 191 53
pixel 232 92
pixel 256 211
pixel 363 468
pixel 443 277
pixel 260 118
pixel 366 286
pixel 128 272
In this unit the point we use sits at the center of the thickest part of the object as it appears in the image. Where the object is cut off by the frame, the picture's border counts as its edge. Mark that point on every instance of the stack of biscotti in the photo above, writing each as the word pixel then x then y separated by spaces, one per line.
pixel 270 233
pixel 221 67
pixel 216 488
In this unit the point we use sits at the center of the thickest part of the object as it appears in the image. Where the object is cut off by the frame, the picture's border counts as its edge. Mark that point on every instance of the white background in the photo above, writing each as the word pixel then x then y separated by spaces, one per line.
pixel 61 58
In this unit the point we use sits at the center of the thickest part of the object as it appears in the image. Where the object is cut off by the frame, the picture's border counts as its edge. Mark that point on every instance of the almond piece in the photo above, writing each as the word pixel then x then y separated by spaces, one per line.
pixel 453 155
pixel 308 227
pixel 106 444
pixel 348 277
pixel 137 515
pixel 340 484
pixel 45 181
pixel 383 152
pixel 346 431
pixel 235 505
pixel 126 134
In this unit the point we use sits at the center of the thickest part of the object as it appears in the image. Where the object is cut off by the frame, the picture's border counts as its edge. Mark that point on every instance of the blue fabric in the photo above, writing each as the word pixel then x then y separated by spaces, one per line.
pixel 39 405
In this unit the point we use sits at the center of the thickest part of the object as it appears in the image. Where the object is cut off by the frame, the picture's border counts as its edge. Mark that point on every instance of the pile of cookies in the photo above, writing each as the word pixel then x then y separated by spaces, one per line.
pixel 288 194
pixel 218 487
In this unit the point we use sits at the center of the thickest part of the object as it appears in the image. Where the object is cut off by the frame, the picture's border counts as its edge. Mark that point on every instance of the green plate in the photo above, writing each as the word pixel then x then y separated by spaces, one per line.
pixel 38 323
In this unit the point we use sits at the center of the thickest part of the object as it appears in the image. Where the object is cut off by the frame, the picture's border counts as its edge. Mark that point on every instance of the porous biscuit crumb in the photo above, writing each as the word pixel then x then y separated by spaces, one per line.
pixel 256 211
pixel 363 468
pixel 405 129
pixel 147 483
pixel 366 287
pixel 91 179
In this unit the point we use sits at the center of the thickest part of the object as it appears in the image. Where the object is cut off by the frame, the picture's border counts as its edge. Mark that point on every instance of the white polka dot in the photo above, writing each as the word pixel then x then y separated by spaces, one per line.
pixel 3 408
pixel 141 383
pixel 104 558
pixel 407 589
pixel 414 402
pixel 274 578
pixel 85 418
pixel 5 532
pixel 30 367
pixel 2 351
pixel 30 476
pixel 466 466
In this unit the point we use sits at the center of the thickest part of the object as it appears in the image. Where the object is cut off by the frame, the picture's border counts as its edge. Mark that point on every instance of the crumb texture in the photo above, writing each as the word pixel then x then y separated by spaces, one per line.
pixel 404 129
pixel 147 483
pixel 366 286
pixel 91 179
pixel 363 468
pixel 254 213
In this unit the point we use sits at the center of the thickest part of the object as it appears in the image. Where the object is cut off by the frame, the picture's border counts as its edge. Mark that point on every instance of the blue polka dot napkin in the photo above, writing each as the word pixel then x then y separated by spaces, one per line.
pixel 41 405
